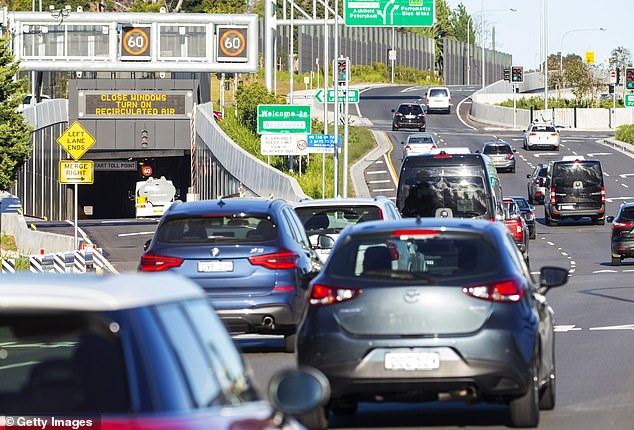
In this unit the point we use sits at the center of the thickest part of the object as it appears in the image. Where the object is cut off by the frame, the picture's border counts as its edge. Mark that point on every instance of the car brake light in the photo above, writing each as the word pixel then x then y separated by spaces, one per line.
pixel 554 134
pixel 282 259
pixel 416 233
pixel 537 181
pixel 421 114
pixel 538 194
pixel 442 154
pixel 324 295
pixel 553 199
pixel 619 224
pixel 407 148
pixel 151 262
pixel 509 157
pixel 509 291
pixel 602 194
pixel 381 214
pixel 398 114
pixel 427 101
pixel 533 134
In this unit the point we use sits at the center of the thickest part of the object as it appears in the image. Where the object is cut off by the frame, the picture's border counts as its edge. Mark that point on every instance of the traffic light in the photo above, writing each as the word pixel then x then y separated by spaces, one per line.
pixel 517 74
pixel 629 78
pixel 507 74
pixel 343 75
pixel 618 76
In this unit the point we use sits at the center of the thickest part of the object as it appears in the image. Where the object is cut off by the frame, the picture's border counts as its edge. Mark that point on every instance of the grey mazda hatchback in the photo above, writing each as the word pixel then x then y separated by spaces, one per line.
pixel 464 321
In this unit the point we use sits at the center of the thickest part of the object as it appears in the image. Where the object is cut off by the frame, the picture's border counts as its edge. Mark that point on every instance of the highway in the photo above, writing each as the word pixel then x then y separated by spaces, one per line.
pixel 593 312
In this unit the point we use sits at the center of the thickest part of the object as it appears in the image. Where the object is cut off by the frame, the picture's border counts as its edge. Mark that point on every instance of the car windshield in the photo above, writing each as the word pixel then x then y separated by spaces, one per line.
pixel 431 257
pixel 63 363
pixel 420 139
pixel 334 219
pixel 497 149
pixel 577 174
pixel 459 191
pixel 238 228
pixel 438 92
pixel 410 110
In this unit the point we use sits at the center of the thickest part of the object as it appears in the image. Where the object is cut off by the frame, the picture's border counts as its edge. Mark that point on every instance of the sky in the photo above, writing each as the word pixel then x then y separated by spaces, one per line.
pixel 573 27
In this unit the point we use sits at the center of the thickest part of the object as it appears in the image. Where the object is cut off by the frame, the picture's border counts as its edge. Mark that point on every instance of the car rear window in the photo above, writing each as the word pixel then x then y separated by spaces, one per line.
pixel 236 228
pixel 410 109
pixel 429 256
pixel 424 139
pixel 521 203
pixel 544 128
pixel 438 92
pixel 335 219
pixel 63 363
pixel 497 149
pixel 577 174
pixel 627 214
pixel 543 172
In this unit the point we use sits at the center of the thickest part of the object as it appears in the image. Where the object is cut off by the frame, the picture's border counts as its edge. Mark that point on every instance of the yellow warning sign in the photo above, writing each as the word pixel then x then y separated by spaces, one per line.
pixel 589 57
pixel 76 141
pixel 76 172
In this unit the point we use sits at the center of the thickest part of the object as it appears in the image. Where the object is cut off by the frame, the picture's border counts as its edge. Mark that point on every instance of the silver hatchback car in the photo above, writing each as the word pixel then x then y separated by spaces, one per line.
pixel 502 154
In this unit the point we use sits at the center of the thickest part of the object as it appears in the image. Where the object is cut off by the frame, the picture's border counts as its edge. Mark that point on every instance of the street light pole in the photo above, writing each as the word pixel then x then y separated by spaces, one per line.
pixel 561 52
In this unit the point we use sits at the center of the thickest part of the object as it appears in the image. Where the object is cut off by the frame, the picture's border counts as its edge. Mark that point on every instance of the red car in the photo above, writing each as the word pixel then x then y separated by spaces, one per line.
pixel 516 225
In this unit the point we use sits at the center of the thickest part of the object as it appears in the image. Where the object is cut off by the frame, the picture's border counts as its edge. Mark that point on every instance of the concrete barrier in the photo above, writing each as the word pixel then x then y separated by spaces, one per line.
pixel 30 242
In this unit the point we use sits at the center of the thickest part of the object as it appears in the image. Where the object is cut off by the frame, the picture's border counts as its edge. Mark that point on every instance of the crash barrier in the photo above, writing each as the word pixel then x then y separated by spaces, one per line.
pixel 83 261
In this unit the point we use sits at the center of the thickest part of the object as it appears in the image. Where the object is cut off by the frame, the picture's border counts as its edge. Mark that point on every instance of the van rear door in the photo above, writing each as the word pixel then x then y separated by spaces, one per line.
pixel 578 185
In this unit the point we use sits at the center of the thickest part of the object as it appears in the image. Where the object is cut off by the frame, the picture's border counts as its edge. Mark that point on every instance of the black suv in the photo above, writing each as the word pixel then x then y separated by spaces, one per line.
pixel 408 115
pixel 575 190
pixel 622 237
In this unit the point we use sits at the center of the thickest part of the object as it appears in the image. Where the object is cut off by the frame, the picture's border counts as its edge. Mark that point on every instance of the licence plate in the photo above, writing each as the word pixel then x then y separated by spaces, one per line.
pixel 412 360
pixel 566 207
pixel 406 116
pixel 215 266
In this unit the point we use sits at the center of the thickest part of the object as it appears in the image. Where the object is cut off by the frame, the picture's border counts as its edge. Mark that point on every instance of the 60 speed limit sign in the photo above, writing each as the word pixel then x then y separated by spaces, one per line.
pixel 232 44
pixel 135 43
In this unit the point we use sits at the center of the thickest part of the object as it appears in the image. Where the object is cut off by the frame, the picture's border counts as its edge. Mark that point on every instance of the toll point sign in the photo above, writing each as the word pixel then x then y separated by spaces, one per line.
pixel 76 172
pixel 76 140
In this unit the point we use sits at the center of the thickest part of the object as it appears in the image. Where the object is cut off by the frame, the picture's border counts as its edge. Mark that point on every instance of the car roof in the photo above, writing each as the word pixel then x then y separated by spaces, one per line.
pixel 228 205
pixel 414 135
pixel 334 202
pixel 92 292
pixel 497 142
pixel 476 225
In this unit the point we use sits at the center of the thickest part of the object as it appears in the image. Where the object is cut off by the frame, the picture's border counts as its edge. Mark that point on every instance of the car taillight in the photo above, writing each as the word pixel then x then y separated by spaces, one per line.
pixel 509 157
pixel 602 194
pixel 553 200
pixel 282 259
pixel 426 101
pixel 408 148
pixel 421 115
pixel 532 134
pixel 398 114
pixel 381 214
pixel 537 181
pixel 509 291
pixel 151 262
pixel 619 224
pixel 554 134
pixel 324 295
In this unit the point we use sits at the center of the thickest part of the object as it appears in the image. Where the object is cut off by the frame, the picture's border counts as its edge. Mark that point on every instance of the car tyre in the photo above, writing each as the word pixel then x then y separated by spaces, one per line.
pixel 317 419
pixel 289 343
pixel 533 235
pixel 547 395
pixel 548 220
pixel 601 221
pixel 513 169
pixel 394 128
pixel 616 261
pixel 525 410
pixel 421 129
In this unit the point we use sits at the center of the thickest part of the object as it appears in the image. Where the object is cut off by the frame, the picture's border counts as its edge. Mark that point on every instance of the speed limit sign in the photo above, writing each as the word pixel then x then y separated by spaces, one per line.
pixel 135 43
pixel 232 44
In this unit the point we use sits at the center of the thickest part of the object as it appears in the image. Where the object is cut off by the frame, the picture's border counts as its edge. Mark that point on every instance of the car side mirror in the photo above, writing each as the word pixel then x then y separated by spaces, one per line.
pixel 550 276
pixel 477 151
pixel 325 242
pixel 392 110
pixel 532 208
pixel 514 150
pixel 146 245
pixel 610 219
pixel 528 176
pixel 402 143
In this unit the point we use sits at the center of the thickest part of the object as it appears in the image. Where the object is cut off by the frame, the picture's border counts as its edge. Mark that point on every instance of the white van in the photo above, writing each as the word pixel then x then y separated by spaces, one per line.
pixel 438 99
pixel 154 196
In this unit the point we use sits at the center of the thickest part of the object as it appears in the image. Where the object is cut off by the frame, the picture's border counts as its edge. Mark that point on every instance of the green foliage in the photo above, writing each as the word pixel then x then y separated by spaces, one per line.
pixel 380 72
pixel 248 97
pixel 22 263
pixel 625 133
pixel 224 6
pixel 15 133
pixel 145 6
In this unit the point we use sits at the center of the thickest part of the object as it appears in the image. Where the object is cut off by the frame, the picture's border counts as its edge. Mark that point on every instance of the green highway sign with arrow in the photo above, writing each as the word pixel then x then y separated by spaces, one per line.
pixel 353 96
pixel 389 13
pixel 629 100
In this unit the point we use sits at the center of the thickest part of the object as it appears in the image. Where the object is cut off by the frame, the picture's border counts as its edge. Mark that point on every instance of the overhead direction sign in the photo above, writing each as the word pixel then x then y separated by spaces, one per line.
pixel 76 140
pixel 353 96
pixel 76 172
pixel 291 119
pixel 390 13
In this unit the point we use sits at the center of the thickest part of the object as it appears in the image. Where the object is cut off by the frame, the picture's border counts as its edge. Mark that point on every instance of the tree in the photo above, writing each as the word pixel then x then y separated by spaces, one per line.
pixel 15 133
pixel 248 97
pixel 462 24
pixel 620 57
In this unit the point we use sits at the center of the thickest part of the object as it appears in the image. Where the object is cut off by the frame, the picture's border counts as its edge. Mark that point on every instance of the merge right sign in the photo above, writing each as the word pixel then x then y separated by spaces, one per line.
pixel 389 13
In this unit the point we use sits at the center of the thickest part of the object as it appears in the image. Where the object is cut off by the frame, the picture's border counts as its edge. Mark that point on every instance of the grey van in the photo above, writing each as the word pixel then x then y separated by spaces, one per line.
pixel 449 186
pixel 575 190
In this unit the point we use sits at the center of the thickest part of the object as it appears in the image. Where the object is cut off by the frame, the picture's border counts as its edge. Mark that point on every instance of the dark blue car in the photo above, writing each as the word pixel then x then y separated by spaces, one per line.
pixel 251 256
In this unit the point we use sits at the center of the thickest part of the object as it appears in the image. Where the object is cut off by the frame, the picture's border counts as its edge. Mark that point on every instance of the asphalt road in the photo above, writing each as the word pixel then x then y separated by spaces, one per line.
pixel 593 312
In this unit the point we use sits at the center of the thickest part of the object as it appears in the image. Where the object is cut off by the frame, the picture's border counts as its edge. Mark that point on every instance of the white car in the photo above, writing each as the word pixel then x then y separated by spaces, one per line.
pixel 540 134
pixel 419 143
pixel 438 99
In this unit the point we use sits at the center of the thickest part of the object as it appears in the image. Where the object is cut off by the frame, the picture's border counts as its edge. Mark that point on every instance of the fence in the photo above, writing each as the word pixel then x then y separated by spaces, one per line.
pixel 84 261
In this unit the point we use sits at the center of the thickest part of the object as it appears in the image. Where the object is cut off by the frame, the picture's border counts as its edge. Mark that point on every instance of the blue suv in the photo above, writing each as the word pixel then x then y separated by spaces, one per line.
pixel 251 256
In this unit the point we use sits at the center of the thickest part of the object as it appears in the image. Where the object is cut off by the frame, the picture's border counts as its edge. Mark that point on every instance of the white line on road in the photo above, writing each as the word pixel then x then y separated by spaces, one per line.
pixel 605 271
pixel 615 327
pixel 140 233
pixel 550 243
pixel 376 172
pixel 625 185
pixel 384 189
pixel 382 181
pixel 565 328
pixel 594 154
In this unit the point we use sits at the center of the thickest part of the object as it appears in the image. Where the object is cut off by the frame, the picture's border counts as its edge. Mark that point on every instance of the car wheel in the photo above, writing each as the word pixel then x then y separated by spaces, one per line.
pixel 530 199
pixel 289 342
pixel 547 394
pixel 513 169
pixel 601 221
pixel 533 234
pixel 556 148
pixel 525 409
pixel 394 128
pixel 316 419
pixel 528 261
pixel 616 261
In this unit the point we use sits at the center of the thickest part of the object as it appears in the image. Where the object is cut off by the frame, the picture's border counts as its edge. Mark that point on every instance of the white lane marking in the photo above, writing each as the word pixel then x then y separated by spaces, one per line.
pixel 550 243
pixel 140 233
pixel 460 118
pixel 376 172
pixel 408 89
pixel 628 270
pixel 625 185
pixel 606 174
pixel 614 327
pixel 384 189
pixel 625 175
pixel 382 181
pixel 564 328
pixel 392 172
pixel 618 198
pixel 378 162
pixel 563 253
pixel 605 271
pixel 594 154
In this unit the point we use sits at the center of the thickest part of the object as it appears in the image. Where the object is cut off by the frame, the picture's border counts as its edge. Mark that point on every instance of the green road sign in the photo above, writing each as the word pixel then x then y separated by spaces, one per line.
pixel 353 96
pixel 389 13
pixel 284 119
pixel 629 100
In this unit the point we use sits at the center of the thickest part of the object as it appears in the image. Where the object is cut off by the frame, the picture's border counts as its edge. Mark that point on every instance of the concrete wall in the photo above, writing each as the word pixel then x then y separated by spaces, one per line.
pixel 30 242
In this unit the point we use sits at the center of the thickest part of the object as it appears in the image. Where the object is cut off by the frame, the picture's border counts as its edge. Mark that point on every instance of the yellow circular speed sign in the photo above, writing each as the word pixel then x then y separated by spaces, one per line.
pixel 135 43
pixel 232 44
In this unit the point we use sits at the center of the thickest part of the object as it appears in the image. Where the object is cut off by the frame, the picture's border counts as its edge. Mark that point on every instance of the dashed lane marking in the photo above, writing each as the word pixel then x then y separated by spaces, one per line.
pixel 376 172
pixel 382 181
pixel 564 328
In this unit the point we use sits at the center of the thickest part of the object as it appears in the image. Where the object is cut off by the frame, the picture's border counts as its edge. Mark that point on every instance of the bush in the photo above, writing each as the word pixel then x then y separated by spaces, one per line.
pixel 248 97
pixel 625 133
